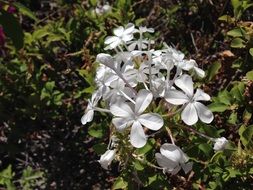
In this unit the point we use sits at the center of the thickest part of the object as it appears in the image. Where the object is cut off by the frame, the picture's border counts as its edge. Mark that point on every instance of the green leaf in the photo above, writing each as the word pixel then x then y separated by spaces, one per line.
pixel 98 133
pixel 251 51
pixel 138 165
pixel 246 134
pixel 213 70
pixel 237 32
pixel 40 33
pixel 50 86
pixel 232 118
pixel 218 155
pixel 218 107
pixel 247 114
pixel 205 148
pixel 236 7
pixel 249 75
pixel 226 18
pixel 25 11
pixel 6 177
pixel 245 5
pixel 100 148
pixel 93 2
pixel 89 90
pixel 238 43
pixel 12 29
pixel 237 91
pixel 148 146
pixel 225 97
pixel 139 21
pixel 88 76
pixel 120 184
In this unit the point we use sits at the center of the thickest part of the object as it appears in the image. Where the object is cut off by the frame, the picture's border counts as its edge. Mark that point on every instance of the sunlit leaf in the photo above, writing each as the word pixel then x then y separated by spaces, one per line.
pixel 119 184
pixel 238 43
pixel 25 11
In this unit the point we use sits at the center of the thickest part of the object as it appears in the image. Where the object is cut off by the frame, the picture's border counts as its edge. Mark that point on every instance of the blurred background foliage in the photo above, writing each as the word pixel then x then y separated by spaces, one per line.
pixel 47 52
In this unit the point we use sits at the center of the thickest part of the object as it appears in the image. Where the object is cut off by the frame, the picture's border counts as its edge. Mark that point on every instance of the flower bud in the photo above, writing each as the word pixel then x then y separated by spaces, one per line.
pixel 220 143
pixel 106 158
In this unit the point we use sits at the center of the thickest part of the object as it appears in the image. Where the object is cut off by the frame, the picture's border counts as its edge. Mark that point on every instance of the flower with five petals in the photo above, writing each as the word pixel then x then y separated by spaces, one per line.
pixel 128 115
pixel 193 108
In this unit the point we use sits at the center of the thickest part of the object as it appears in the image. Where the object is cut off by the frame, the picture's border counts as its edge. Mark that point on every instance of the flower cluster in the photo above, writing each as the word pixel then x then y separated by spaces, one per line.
pixel 133 81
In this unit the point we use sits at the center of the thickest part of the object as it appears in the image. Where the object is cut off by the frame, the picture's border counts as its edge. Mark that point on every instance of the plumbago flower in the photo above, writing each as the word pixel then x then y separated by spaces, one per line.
pixel 139 87
pixel 89 112
pixel 220 143
pixel 193 109
pixel 172 159
pixel 122 35
pixel 127 115
pixel 106 158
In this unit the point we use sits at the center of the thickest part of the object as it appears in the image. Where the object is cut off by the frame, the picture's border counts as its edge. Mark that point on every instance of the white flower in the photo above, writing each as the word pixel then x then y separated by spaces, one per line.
pixel 127 115
pixel 220 143
pixel 106 158
pixel 122 35
pixel 143 29
pixel 103 9
pixel 118 91
pixel 140 43
pixel 191 65
pixel 89 112
pixel 193 109
pixel 172 159
pixel 107 60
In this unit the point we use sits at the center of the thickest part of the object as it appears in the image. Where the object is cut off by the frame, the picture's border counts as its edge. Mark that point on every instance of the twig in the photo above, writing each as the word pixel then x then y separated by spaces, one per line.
pixel 194 44
pixel 170 135
pixel 196 132
pixel 74 53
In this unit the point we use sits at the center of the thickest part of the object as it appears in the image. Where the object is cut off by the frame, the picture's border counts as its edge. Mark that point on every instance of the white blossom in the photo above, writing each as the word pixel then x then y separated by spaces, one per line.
pixel 172 159
pixel 100 10
pixel 193 109
pixel 89 112
pixel 129 115
pixel 220 143
pixel 106 158
pixel 122 35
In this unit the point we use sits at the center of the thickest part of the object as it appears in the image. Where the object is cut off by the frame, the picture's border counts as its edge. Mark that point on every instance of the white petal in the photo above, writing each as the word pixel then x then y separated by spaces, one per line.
pixel 111 39
pixel 186 64
pixel 199 72
pixel 120 123
pixel 176 97
pixel 205 115
pixel 106 158
pixel 201 95
pixel 187 167
pixel 118 31
pixel 132 46
pixel 152 121
pixel 220 143
pixel 144 98
pixel 165 162
pixel 137 136
pixel 87 117
pixel 176 170
pixel 121 109
pixel 127 38
pixel 172 152
pixel 106 60
pixel 189 114
pixel 185 83
pixel 129 28
pixel 95 97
